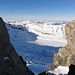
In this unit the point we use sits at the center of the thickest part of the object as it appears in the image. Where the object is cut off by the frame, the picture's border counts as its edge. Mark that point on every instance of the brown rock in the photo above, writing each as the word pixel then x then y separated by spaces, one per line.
pixel 66 55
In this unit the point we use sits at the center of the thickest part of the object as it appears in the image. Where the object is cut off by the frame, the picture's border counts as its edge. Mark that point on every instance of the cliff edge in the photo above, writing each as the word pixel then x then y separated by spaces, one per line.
pixel 10 62
pixel 66 55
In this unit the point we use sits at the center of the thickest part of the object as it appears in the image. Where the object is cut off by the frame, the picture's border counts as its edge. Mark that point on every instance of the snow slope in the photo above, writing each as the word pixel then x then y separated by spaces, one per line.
pixel 37 41
pixel 60 70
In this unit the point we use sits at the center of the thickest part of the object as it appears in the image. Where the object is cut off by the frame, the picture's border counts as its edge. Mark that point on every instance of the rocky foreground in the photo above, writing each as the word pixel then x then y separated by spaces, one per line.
pixel 66 55
pixel 10 62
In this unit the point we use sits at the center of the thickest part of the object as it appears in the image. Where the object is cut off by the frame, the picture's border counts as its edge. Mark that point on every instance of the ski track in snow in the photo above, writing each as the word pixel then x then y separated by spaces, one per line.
pixel 36 42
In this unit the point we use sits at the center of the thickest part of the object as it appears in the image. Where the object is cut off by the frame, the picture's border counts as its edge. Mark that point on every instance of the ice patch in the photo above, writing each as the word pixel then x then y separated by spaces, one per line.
pixel 5 58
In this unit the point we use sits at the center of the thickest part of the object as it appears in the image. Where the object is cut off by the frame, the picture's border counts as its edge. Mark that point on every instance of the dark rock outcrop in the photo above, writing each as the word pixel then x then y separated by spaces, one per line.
pixel 66 55
pixel 71 70
pixel 10 62
pixel 43 73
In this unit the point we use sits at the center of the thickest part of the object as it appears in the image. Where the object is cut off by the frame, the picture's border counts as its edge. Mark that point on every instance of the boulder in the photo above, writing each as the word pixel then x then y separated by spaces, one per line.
pixel 10 62
pixel 71 70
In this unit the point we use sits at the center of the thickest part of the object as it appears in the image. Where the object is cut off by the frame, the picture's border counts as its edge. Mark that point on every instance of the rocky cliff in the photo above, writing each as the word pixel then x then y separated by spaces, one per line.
pixel 66 55
pixel 10 62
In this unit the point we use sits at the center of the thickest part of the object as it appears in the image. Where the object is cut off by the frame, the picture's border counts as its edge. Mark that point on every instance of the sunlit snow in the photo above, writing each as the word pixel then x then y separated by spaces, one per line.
pixel 60 70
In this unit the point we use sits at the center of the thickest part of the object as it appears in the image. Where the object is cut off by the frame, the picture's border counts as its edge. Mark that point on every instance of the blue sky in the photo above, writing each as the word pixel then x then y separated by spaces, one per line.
pixel 38 9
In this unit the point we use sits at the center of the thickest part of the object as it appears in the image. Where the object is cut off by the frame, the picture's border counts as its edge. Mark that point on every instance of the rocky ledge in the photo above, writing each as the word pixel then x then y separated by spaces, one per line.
pixel 10 62
pixel 66 55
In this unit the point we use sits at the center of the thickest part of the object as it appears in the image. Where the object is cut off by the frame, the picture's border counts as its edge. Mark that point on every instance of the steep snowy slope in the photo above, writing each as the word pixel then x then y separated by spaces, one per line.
pixel 37 41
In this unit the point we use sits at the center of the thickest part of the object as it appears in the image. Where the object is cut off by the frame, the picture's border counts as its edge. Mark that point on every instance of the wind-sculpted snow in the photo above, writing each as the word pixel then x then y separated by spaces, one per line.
pixel 37 41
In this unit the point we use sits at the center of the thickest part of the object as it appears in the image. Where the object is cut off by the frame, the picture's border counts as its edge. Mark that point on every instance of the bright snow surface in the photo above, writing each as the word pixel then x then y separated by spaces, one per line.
pixel 36 41
pixel 60 70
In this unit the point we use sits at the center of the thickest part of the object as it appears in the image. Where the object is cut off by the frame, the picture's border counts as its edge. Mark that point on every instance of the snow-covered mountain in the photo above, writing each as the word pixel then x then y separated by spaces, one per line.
pixel 36 41
pixel 44 30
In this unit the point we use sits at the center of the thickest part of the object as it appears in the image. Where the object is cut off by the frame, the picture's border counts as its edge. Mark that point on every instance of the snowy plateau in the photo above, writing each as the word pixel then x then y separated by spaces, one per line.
pixel 36 42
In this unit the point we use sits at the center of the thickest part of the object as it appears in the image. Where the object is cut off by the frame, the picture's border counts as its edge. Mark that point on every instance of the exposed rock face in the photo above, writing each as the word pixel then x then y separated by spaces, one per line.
pixel 10 62
pixel 71 70
pixel 66 55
